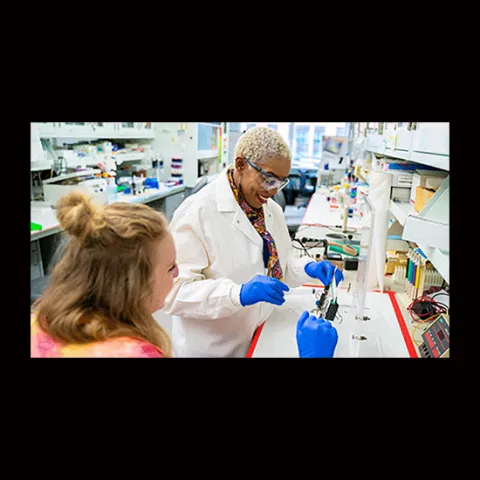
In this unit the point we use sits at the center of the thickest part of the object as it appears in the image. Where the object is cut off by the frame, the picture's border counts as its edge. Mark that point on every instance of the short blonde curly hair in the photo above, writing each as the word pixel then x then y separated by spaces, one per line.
pixel 259 143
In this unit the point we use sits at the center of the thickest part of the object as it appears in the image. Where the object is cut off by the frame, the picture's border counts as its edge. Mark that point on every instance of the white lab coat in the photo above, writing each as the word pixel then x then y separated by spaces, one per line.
pixel 218 250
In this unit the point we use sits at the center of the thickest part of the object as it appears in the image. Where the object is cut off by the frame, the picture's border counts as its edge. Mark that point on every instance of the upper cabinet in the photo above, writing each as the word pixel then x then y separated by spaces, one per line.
pixel 427 143
pixel 135 130
pixel 91 130
pixel 402 140
pixel 431 144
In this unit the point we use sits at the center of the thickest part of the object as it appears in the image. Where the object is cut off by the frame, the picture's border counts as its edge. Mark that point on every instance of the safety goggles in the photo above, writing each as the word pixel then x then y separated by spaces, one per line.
pixel 270 181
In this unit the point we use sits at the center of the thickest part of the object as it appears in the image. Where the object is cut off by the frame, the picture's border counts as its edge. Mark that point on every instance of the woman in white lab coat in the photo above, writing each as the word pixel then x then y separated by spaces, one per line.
pixel 234 253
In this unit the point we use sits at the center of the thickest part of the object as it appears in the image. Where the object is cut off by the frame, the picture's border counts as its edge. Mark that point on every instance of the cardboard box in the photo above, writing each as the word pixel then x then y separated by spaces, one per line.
pixel 420 179
pixel 401 183
pixel 423 195
pixel 393 260
pixel 401 178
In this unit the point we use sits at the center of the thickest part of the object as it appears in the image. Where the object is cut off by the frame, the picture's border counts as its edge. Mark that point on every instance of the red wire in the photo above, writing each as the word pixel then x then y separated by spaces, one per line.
pixel 436 308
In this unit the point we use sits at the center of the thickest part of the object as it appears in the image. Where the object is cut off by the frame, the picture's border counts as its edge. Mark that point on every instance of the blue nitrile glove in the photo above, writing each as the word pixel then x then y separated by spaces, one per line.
pixel 263 289
pixel 323 271
pixel 316 337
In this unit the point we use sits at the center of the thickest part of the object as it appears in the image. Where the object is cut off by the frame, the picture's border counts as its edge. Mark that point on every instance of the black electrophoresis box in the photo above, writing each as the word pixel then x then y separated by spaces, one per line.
pixel 436 339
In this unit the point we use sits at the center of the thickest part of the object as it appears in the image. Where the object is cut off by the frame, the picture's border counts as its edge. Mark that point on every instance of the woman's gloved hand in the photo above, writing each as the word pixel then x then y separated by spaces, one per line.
pixel 316 337
pixel 323 271
pixel 263 289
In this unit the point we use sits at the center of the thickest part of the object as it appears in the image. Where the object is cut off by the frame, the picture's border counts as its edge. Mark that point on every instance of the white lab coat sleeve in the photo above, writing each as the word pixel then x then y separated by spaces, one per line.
pixel 295 275
pixel 193 295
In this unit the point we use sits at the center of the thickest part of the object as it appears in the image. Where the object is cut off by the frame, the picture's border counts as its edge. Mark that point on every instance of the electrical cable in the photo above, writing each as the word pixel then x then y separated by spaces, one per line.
pixel 421 322
pixel 297 240
pixel 316 245
pixel 439 293
pixel 429 307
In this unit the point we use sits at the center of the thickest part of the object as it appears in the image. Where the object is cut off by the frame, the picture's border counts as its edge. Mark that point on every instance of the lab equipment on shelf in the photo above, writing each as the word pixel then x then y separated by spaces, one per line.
pixel 87 181
pixel 177 171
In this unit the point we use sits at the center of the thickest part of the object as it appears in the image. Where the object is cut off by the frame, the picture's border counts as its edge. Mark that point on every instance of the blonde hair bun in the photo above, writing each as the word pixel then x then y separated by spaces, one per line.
pixel 79 215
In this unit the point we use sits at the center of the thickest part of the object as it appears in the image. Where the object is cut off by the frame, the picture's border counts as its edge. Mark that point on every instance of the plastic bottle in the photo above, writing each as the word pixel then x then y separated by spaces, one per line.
pixel 133 185
pixel 157 165
pixel 336 195
pixel 161 171
pixel 346 192
pixel 112 189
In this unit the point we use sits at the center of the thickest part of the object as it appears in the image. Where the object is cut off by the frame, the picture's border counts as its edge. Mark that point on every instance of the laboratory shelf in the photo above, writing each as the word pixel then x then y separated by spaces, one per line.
pixel 441 162
pixel 39 166
pixel 111 135
pixel 378 151
pixel 139 134
pixel 401 211
pixel 427 232
pixel 125 157
pixel 433 239
pixel 401 154
pixel 207 154
pixel 438 161
pixel 440 259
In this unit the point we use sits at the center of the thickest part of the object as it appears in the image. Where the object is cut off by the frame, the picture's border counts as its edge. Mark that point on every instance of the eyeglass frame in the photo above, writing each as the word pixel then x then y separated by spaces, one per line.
pixel 267 175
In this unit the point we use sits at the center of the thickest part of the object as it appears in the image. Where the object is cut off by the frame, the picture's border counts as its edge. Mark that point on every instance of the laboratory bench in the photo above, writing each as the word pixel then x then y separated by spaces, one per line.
pixel 389 329
pixel 44 243
pixel 389 326
pixel 389 322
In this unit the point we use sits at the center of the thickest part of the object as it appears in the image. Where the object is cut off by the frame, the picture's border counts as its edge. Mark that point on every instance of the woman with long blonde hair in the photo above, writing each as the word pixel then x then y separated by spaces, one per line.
pixel 117 269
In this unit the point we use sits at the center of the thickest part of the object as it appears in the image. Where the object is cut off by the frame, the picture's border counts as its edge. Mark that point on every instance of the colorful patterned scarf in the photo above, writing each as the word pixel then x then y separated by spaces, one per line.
pixel 257 219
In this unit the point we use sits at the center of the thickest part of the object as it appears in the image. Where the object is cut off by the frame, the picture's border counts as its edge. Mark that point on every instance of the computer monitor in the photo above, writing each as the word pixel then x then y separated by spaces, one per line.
pixel 336 145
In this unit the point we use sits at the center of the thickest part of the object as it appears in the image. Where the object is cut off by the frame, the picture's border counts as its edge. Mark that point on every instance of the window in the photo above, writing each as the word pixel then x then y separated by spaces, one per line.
pixel 308 138
pixel 273 125
pixel 301 140
pixel 317 141
pixel 250 125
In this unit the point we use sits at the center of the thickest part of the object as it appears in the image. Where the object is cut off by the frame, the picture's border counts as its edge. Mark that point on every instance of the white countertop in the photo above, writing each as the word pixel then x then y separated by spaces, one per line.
pixel 383 332
pixel 43 213
pixel 320 213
